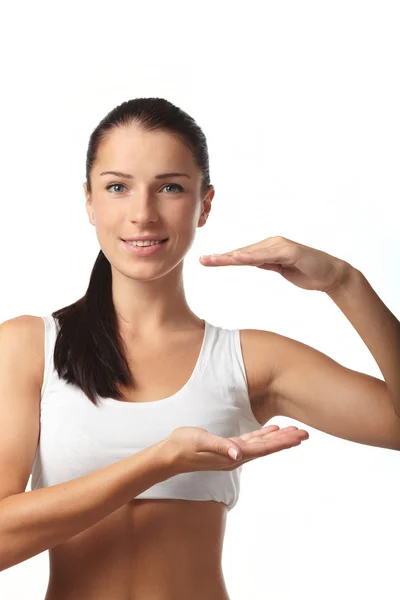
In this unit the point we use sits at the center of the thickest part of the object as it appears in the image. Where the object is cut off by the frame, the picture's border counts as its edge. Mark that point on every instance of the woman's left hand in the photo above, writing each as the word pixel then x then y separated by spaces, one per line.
pixel 303 266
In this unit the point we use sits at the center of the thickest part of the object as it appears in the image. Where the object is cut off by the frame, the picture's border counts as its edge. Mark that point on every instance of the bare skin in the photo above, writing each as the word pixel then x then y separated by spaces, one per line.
pixel 151 549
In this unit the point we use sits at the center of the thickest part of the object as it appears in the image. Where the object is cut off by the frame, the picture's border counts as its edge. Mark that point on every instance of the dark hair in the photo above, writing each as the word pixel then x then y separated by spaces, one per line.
pixel 89 350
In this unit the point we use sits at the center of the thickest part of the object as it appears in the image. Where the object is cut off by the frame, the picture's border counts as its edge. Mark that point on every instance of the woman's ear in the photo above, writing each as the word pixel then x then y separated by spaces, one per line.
pixel 89 208
pixel 206 208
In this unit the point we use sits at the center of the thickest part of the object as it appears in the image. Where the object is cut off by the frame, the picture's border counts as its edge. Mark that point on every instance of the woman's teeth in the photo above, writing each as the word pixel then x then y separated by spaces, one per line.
pixel 145 243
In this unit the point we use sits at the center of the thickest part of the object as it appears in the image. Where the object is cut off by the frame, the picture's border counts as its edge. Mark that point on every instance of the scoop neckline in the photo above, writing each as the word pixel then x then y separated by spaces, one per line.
pixel 197 370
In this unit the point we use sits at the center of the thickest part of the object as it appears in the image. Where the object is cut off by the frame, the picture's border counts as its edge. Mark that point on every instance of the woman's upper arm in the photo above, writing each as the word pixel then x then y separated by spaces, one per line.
pixel 21 376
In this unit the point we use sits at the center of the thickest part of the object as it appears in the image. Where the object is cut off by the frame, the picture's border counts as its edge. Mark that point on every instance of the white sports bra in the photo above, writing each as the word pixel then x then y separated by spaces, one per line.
pixel 77 438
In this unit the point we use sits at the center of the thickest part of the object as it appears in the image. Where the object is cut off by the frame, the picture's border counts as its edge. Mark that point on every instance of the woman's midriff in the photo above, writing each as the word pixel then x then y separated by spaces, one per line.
pixel 146 550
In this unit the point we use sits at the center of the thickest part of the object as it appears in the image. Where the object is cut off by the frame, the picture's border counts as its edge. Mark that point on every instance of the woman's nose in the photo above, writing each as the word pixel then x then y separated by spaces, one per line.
pixel 143 207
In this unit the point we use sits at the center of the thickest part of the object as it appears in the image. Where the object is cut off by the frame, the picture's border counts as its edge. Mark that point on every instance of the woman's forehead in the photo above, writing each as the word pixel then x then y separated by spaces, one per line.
pixel 139 150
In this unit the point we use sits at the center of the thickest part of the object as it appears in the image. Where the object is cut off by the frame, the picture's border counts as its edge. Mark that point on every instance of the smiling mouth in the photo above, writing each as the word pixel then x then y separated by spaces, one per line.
pixel 132 242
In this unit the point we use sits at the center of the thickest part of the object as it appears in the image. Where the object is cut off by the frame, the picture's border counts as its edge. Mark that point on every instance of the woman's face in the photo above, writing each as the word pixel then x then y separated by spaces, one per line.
pixel 142 202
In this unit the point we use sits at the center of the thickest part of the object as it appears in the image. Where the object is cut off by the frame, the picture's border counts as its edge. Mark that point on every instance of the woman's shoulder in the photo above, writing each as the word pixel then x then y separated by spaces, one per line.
pixel 26 334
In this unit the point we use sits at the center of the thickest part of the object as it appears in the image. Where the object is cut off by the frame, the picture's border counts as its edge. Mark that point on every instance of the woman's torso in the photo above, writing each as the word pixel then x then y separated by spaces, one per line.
pixel 150 549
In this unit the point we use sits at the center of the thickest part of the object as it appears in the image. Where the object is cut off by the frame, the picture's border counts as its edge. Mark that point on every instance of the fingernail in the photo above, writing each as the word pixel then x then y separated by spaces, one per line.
pixel 233 453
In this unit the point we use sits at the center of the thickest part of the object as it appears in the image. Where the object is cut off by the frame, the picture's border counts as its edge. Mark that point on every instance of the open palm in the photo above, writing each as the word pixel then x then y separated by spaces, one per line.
pixel 264 441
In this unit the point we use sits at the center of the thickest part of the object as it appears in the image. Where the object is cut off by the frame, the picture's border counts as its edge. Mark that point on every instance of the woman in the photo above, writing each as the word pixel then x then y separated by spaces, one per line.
pixel 141 400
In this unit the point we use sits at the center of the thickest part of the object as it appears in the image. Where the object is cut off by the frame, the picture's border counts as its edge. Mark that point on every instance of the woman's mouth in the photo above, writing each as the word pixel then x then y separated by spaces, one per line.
pixel 144 250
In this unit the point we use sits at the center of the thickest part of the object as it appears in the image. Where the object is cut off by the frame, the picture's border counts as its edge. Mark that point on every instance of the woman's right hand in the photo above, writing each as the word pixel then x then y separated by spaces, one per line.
pixel 196 449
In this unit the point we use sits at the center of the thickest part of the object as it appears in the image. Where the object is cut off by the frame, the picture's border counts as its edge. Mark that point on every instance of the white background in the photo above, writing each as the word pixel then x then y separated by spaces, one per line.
pixel 300 105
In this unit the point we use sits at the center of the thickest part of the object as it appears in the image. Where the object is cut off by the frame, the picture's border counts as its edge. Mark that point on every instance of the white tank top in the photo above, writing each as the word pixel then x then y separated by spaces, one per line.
pixel 77 438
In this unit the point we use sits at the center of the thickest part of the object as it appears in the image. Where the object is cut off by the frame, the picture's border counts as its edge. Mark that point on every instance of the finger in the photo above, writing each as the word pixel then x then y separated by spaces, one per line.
pixel 285 257
pixel 284 430
pixel 255 258
pixel 260 448
pixel 258 432
pixel 218 260
pixel 283 443
pixel 281 434
pixel 273 444
pixel 266 430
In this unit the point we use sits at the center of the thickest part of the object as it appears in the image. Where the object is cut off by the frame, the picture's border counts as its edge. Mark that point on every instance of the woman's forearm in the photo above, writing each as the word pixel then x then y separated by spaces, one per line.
pixel 34 521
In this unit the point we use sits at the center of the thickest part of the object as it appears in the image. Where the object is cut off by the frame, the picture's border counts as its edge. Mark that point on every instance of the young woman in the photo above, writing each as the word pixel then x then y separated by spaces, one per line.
pixel 140 401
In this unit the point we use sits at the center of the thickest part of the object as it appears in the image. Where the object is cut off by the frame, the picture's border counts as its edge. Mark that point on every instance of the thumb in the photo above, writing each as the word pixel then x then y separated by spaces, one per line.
pixel 228 448
pixel 234 452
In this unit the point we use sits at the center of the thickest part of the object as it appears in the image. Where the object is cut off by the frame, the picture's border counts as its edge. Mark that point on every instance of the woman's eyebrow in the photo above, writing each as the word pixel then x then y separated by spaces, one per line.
pixel 161 176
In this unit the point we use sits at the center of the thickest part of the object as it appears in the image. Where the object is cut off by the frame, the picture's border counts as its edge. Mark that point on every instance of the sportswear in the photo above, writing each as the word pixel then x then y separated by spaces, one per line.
pixel 77 437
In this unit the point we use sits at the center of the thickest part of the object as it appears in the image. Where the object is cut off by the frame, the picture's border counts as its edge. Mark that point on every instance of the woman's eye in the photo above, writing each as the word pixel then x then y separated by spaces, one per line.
pixel 174 185
pixel 114 184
